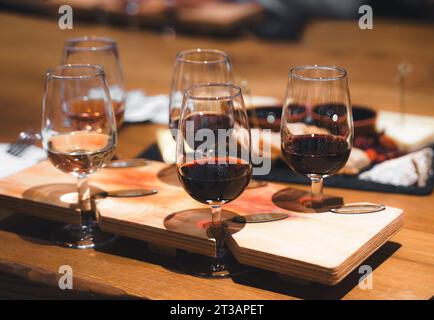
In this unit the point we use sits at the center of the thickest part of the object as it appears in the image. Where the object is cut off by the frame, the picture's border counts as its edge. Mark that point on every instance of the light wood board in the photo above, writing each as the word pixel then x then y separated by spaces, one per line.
pixel 320 247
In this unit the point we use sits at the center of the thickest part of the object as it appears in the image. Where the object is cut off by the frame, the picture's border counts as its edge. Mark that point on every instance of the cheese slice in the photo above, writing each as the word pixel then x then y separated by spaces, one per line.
pixel 412 169
pixel 357 161
pixel 410 132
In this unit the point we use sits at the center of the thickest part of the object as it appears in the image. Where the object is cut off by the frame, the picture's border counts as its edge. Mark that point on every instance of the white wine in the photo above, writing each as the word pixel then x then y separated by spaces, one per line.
pixel 80 152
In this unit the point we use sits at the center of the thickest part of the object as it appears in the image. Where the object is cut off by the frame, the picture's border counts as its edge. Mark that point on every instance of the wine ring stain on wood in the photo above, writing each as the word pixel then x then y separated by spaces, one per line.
pixel 197 222
pixel 294 200
pixel 54 193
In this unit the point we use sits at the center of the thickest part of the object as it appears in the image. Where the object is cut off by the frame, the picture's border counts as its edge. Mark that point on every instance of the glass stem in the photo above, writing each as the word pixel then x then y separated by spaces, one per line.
pixel 216 211
pixel 316 189
pixel 84 201
pixel 217 226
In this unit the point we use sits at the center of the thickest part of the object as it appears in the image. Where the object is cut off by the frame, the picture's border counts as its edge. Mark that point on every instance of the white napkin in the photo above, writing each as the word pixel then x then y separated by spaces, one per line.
pixel 11 164
pixel 140 108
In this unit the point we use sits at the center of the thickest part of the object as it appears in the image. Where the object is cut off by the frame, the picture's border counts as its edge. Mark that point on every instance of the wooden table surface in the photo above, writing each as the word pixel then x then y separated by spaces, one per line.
pixel 403 268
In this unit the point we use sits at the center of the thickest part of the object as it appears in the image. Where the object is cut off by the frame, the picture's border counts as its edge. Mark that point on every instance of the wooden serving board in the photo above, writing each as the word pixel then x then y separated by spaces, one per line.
pixel 320 247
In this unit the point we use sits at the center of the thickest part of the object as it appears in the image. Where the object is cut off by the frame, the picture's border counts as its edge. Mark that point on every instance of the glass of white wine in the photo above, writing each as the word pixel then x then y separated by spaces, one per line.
pixel 77 144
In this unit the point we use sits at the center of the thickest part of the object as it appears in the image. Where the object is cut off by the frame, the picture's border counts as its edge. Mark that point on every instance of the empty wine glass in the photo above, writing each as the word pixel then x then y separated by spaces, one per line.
pixel 317 129
pixel 78 144
pixel 193 67
pixel 104 52
pixel 213 161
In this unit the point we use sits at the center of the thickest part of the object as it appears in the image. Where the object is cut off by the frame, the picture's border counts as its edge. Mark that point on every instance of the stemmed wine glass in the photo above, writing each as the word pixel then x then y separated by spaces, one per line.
pixel 104 52
pixel 213 160
pixel 316 129
pixel 78 145
pixel 193 67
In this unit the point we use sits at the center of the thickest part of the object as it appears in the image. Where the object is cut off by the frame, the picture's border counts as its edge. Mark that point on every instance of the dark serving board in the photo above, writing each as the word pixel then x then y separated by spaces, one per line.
pixel 281 173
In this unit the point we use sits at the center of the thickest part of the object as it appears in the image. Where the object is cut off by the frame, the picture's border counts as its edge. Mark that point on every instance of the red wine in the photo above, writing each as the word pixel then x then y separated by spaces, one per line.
pixel 316 153
pixel 218 182
pixel 208 120
pixel 205 120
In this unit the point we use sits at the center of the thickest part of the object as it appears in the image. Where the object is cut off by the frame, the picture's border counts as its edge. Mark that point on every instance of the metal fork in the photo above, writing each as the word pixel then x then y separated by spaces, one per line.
pixel 25 140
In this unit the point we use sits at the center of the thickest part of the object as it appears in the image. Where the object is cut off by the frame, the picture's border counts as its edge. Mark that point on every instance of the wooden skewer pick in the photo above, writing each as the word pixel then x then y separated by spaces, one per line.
pixel 404 69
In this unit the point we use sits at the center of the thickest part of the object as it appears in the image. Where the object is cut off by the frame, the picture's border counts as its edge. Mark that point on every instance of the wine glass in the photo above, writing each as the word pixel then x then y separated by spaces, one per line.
pixel 101 51
pixel 193 67
pixel 213 161
pixel 77 143
pixel 317 129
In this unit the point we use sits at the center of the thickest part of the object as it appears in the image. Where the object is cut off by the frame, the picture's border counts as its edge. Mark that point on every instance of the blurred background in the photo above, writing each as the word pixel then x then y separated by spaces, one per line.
pixel 390 71
pixel 263 38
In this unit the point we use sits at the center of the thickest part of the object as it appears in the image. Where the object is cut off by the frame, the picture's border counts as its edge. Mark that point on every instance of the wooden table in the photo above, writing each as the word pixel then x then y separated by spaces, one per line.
pixel 404 268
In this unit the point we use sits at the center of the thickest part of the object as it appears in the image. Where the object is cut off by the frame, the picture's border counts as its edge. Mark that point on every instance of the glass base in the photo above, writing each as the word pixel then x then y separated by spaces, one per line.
pixel 205 267
pixel 79 236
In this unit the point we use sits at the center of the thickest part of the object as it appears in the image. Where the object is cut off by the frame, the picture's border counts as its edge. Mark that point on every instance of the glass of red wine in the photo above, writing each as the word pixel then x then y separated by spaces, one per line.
pixel 193 67
pixel 316 129
pixel 78 145
pixel 213 162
